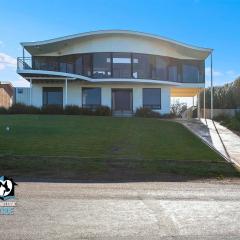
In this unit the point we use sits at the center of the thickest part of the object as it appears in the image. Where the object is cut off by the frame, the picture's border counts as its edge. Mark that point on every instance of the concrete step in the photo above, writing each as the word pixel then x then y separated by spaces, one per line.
pixel 122 114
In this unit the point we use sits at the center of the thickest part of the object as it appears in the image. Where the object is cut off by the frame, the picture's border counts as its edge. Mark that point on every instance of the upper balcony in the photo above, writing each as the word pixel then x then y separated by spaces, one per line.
pixel 116 66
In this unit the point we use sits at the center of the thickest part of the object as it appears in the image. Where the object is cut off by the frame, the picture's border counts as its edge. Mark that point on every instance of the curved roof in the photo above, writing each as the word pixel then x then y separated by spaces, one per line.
pixel 32 46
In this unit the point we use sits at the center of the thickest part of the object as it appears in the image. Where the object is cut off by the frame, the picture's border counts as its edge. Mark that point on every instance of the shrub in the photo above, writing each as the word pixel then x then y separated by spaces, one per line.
pixel 103 111
pixel 86 111
pixel 177 109
pixel 32 110
pixel 52 109
pixel 146 112
pixel 3 110
pixel 72 110
pixel 222 118
pixel 237 115
pixel 19 108
pixel 234 124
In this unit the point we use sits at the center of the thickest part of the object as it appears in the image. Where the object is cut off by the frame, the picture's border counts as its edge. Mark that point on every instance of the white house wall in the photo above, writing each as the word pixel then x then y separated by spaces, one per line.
pixel 75 94
pixel 21 95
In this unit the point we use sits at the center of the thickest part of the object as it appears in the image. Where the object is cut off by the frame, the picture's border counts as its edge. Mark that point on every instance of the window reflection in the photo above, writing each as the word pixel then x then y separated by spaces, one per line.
pixel 142 64
pixel 124 65
pixel 152 98
pixel 159 69
pixel 52 96
pixel 121 65
pixel 66 64
pixel 101 65
pixel 91 97
pixel 79 64
pixel 87 65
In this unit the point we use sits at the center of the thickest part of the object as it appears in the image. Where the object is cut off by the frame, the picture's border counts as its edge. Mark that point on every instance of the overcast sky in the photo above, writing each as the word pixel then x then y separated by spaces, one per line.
pixel 211 24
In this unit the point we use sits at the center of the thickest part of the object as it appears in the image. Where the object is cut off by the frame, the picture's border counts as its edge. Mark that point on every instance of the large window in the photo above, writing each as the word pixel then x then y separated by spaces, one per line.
pixel 142 66
pixel 159 70
pixel 124 65
pixel 79 64
pixel 121 65
pixel 192 71
pixel 173 73
pixel 152 98
pixel 66 64
pixel 45 63
pixel 91 97
pixel 101 65
pixel 52 96
pixel 87 65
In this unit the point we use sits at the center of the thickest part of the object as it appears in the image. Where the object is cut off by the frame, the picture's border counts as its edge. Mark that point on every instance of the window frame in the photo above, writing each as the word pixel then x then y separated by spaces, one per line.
pixel 92 106
pixel 152 108
pixel 52 88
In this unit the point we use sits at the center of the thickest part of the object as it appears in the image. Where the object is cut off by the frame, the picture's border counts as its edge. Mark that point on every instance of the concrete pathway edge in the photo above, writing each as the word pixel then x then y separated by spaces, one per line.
pixel 222 153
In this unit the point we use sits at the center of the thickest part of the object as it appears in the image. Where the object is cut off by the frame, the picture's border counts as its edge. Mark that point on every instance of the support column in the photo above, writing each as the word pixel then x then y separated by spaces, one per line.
pixel 198 105
pixel 66 92
pixel 30 92
pixel 211 89
pixel 204 101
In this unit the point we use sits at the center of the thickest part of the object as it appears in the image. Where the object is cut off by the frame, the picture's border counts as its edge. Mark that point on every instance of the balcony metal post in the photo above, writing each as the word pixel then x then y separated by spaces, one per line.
pixel 204 101
pixel 211 88
pixel 30 92
pixel 66 92
pixel 198 105
pixel 23 54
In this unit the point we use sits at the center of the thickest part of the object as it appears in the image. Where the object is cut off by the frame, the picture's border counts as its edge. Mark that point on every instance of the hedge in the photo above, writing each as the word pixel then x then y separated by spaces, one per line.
pixel 56 109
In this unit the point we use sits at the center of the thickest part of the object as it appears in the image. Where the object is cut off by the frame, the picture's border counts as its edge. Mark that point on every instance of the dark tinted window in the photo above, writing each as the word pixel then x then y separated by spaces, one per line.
pixel 87 65
pixel 142 66
pixel 193 71
pixel 46 63
pixel 79 65
pixel 66 63
pixel 152 98
pixel 101 65
pixel 52 95
pixel 121 65
pixel 159 70
pixel 173 73
pixel 91 97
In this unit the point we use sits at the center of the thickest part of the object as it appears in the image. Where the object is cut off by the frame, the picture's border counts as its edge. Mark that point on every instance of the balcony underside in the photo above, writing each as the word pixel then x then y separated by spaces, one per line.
pixel 184 92
pixel 40 74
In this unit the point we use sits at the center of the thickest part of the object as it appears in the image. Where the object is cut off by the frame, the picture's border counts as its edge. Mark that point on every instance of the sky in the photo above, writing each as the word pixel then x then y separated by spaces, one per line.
pixel 211 24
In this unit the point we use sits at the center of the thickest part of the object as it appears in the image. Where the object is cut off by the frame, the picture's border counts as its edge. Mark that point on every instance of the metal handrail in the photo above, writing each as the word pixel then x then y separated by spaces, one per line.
pixel 24 63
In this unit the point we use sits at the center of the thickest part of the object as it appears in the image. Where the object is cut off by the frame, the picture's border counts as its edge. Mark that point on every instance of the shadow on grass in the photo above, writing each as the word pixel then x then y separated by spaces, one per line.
pixel 74 169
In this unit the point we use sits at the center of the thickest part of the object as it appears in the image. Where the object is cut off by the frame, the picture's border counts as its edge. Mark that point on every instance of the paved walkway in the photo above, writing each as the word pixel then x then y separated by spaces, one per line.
pixel 217 136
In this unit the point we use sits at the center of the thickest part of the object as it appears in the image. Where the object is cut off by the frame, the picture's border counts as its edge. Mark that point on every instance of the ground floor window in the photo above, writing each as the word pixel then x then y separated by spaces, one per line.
pixel 52 96
pixel 91 97
pixel 152 98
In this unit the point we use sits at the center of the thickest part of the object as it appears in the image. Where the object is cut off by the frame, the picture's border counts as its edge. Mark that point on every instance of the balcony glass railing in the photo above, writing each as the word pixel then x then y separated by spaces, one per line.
pixel 120 65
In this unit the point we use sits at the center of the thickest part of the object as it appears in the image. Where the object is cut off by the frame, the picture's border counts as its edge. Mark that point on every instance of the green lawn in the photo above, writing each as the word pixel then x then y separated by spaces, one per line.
pixel 73 146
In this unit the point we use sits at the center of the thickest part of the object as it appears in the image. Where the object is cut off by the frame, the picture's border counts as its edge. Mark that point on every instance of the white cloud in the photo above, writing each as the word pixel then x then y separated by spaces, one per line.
pixel 215 72
pixel 7 61
pixel 21 82
pixel 230 72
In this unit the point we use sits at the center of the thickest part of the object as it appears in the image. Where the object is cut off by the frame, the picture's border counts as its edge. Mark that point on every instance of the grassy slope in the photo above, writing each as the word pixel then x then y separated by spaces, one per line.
pixel 147 142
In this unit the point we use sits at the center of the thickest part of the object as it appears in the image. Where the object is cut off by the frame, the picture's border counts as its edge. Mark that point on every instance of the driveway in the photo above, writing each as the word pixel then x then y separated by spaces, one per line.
pixel 160 210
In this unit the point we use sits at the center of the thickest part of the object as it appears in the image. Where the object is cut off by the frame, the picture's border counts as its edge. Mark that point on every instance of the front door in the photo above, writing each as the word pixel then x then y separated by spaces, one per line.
pixel 122 100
